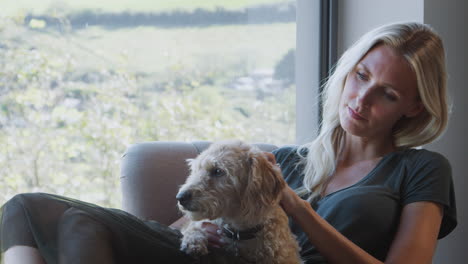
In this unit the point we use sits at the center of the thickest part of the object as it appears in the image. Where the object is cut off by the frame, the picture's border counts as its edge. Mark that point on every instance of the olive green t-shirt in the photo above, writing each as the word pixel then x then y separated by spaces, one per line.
pixel 368 212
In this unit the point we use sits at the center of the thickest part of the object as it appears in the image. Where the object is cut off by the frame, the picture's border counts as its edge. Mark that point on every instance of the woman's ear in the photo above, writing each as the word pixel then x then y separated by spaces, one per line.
pixel 415 110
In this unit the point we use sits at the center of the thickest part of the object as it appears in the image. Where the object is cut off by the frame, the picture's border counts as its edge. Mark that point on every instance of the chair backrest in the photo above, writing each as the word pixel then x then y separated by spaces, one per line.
pixel 151 173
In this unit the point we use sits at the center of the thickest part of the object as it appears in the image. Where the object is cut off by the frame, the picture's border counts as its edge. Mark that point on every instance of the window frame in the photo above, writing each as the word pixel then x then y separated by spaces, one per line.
pixel 315 58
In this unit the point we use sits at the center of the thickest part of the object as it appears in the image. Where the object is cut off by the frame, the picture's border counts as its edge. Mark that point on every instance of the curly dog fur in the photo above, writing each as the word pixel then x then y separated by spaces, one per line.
pixel 235 186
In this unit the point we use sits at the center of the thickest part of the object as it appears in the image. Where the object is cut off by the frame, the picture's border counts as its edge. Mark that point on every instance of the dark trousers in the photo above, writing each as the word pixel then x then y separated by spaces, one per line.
pixel 69 231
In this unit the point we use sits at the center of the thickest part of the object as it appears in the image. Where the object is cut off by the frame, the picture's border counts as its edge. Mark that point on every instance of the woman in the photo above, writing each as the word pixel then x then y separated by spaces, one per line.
pixel 365 196
pixel 373 198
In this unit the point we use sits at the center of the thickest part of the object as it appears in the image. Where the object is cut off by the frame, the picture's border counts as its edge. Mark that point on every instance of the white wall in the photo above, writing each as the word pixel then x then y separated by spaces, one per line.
pixel 449 18
pixel 356 17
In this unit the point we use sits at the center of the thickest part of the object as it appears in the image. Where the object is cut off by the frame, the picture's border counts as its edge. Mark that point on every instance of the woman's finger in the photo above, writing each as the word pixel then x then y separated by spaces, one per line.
pixel 213 234
pixel 271 158
pixel 215 240
pixel 210 227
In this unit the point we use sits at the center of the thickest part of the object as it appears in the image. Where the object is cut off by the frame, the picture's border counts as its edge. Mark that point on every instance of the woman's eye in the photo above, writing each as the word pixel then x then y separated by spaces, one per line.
pixel 361 76
pixel 216 172
pixel 390 96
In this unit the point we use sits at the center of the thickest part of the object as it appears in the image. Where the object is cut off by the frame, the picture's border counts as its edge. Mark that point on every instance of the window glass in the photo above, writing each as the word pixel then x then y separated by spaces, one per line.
pixel 82 80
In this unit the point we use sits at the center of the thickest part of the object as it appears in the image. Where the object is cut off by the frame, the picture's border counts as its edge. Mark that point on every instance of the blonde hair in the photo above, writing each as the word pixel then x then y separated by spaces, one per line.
pixel 423 50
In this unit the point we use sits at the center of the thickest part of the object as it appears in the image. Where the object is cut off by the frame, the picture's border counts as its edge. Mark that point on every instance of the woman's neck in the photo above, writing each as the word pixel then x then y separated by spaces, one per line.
pixel 356 149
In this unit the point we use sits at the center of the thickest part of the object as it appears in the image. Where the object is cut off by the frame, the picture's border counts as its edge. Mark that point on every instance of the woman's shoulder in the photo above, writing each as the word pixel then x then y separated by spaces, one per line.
pixel 285 150
pixel 428 177
pixel 418 157
pixel 426 172
pixel 289 153
pixel 291 161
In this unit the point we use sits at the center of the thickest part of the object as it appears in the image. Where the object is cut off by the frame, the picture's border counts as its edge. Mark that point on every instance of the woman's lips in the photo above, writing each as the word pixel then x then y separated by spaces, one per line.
pixel 354 114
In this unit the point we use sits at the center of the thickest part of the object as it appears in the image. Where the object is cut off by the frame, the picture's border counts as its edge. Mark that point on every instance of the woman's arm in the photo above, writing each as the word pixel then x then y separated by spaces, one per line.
pixel 416 238
pixel 414 242
pixel 179 223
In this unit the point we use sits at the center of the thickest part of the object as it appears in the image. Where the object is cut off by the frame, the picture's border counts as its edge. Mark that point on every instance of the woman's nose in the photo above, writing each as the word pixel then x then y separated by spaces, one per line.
pixel 364 97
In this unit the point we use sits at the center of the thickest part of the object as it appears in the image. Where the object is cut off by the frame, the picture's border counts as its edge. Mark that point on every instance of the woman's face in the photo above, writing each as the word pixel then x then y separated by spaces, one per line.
pixel 380 90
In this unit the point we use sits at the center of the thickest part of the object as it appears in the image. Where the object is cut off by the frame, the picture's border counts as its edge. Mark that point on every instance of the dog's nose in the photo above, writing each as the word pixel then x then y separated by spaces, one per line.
pixel 184 197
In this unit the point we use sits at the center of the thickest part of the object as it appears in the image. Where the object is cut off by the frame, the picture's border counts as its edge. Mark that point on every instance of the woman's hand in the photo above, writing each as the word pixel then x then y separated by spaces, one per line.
pixel 214 235
pixel 291 202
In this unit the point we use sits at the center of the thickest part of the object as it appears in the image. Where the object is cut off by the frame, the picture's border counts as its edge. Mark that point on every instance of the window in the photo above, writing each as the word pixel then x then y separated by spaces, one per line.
pixel 82 80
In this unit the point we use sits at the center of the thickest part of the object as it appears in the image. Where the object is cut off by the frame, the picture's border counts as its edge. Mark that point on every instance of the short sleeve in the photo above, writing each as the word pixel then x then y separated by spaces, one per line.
pixel 429 178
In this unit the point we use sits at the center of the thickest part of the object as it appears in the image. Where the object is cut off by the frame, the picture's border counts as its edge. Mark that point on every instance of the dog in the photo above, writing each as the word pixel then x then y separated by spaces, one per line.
pixel 235 186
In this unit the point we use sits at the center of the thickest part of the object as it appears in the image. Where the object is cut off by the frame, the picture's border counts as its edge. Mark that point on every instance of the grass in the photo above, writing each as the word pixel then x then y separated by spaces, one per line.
pixel 152 49
pixel 156 50
pixel 12 7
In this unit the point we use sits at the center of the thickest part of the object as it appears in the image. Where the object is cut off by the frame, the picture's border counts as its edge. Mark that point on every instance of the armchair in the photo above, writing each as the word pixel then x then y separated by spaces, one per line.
pixel 151 173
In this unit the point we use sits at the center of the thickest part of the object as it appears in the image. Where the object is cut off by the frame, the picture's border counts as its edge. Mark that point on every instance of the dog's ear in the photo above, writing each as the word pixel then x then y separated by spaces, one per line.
pixel 264 185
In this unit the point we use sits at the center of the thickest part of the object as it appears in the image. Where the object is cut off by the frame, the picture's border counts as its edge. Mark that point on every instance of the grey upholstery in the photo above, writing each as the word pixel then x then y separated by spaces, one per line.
pixel 151 174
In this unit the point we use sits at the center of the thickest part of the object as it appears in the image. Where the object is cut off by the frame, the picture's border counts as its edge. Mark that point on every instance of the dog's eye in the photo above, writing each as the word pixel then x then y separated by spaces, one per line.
pixel 216 172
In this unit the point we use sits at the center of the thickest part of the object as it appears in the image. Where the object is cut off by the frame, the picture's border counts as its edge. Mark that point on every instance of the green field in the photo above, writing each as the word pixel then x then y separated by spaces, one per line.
pixel 12 7
pixel 154 49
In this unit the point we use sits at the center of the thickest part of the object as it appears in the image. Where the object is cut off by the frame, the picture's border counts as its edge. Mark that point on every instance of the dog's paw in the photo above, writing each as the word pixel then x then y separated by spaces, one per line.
pixel 194 247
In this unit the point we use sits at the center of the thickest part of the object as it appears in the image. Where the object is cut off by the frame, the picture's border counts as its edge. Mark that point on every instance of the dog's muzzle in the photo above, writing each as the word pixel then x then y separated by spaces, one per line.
pixel 184 199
